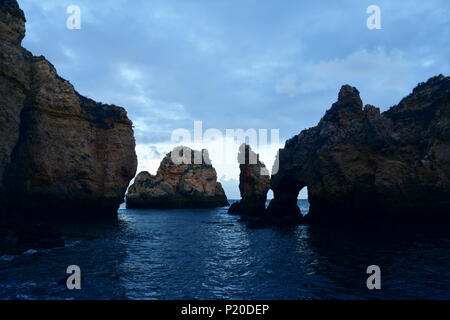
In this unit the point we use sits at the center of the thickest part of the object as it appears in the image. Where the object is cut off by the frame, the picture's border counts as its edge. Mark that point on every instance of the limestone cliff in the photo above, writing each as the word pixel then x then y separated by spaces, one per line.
pixel 254 183
pixel 60 153
pixel 188 182
pixel 363 167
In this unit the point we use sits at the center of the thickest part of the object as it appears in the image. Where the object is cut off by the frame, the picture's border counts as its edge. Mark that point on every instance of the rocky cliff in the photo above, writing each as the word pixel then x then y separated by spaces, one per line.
pixel 363 167
pixel 185 179
pixel 60 153
pixel 254 183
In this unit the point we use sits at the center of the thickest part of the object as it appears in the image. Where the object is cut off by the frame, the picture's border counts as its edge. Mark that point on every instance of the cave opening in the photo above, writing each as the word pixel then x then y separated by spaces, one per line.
pixel 303 201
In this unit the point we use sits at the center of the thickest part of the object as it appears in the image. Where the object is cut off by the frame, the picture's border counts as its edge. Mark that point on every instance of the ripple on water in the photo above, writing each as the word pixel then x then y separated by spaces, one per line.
pixel 207 254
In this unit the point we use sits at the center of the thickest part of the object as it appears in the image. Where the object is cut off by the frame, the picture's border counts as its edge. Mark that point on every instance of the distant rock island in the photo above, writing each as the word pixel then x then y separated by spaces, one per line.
pixel 189 183
pixel 363 167
pixel 254 183
pixel 60 153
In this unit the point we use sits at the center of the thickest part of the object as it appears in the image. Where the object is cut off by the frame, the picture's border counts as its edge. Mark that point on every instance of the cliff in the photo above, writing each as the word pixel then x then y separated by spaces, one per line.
pixel 254 183
pixel 188 182
pixel 363 167
pixel 60 153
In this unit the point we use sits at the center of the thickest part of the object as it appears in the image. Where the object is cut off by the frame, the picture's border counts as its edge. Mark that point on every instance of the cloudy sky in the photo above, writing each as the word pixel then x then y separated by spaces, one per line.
pixel 237 64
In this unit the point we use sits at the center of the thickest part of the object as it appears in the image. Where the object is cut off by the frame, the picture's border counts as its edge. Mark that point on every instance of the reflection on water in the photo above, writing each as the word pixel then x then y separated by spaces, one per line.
pixel 207 254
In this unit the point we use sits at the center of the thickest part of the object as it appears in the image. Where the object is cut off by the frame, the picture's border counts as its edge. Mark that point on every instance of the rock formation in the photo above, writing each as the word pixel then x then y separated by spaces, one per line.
pixel 363 167
pixel 185 180
pixel 254 183
pixel 60 153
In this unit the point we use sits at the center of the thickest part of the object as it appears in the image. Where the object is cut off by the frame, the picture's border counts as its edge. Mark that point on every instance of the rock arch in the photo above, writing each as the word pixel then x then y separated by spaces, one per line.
pixel 362 166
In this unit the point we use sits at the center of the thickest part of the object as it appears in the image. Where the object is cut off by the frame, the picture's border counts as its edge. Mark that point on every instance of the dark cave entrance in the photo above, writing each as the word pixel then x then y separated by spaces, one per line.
pixel 290 197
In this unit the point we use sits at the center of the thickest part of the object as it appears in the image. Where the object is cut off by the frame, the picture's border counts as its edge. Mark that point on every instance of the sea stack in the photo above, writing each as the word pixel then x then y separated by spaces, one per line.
pixel 365 167
pixel 60 153
pixel 254 183
pixel 185 179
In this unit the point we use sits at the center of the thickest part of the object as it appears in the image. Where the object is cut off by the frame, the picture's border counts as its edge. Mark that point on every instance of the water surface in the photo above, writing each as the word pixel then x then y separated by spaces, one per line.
pixel 208 254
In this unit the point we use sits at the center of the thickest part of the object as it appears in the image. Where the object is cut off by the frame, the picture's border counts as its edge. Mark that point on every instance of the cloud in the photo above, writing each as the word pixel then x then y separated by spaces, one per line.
pixel 288 85
pixel 362 66
pixel 235 64
pixel 383 77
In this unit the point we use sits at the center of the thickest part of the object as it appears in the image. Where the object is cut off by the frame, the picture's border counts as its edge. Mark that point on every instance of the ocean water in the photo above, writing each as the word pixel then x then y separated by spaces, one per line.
pixel 208 254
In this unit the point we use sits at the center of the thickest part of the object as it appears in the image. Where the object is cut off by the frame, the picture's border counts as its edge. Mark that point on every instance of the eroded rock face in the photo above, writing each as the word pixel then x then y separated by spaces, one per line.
pixel 254 183
pixel 189 182
pixel 60 153
pixel 361 166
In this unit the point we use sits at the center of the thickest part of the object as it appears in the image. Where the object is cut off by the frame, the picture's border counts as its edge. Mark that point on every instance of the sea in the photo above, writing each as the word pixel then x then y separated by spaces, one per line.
pixel 207 254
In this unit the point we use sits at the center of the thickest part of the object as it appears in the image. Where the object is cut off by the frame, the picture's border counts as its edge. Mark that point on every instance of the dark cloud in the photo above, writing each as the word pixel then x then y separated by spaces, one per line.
pixel 239 64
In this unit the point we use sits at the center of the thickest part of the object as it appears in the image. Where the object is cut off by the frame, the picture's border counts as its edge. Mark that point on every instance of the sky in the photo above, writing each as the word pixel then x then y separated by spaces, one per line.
pixel 237 64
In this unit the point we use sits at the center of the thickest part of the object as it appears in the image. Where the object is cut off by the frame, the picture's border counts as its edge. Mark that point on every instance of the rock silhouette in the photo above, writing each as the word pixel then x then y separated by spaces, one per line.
pixel 254 183
pixel 189 182
pixel 362 166
pixel 60 153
